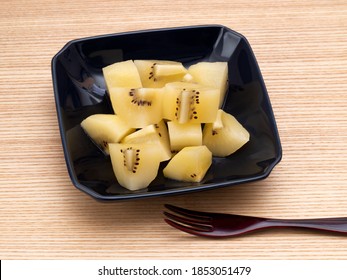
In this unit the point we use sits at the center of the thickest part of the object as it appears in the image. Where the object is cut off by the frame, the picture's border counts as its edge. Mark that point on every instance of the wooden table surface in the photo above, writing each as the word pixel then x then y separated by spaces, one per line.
pixel 301 47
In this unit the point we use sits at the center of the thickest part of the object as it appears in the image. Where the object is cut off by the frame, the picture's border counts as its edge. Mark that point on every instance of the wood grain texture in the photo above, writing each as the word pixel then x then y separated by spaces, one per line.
pixel 301 47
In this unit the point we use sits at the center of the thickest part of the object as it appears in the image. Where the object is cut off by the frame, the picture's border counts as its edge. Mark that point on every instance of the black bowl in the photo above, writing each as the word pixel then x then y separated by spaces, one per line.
pixel 79 89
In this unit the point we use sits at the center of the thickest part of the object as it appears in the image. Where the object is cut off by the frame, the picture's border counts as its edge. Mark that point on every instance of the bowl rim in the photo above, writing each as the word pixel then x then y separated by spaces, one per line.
pixel 135 195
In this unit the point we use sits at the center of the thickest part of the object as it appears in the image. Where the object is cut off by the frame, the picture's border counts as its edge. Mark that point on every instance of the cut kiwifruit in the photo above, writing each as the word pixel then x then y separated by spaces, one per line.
pixel 135 165
pixel 138 107
pixel 122 74
pixel 183 135
pixel 156 134
pixel 105 128
pixel 225 136
pixel 212 74
pixel 189 102
pixel 157 73
pixel 189 165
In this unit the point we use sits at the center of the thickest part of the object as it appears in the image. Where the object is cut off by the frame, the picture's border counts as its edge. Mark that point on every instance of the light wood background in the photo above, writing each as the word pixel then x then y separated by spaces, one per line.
pixel 301 47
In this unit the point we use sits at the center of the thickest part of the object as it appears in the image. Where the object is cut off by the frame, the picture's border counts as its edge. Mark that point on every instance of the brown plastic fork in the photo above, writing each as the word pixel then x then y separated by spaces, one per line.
pixel 224 225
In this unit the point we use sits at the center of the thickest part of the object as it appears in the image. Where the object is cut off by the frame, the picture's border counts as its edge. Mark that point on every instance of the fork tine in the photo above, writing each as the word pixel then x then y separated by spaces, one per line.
pixel 194 224
pixel 186 228
pixel 188 213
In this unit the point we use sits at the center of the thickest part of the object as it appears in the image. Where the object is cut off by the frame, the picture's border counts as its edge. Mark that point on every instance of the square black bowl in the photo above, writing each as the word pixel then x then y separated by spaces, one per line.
pixel 79 89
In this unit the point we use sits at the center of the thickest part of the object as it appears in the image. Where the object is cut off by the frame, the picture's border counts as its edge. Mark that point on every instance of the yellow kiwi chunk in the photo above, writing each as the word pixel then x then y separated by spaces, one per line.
pixel 189 165
pixel 157 73
pixel 135 165
pixel 183 135
pixel 106 128
pixel 156 134
pixel 122 74
pixel 139 107
pixel 225 136
pixel 212 74
pixel 189 102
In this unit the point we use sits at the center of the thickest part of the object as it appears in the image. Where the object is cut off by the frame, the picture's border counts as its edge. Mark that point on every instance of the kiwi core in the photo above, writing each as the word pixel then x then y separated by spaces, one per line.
pixel 164 70
pixel 185 105
pixel 131 159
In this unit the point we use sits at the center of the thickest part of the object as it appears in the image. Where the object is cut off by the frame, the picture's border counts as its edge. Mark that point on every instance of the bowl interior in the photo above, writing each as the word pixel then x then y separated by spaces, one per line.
pixel 80 91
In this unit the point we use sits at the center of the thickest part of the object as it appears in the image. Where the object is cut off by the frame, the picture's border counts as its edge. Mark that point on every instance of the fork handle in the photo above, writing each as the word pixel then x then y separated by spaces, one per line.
pixel 328 224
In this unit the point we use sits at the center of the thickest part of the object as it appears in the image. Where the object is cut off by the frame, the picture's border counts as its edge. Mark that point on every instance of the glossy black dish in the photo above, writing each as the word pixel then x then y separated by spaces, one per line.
pixel 79 90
